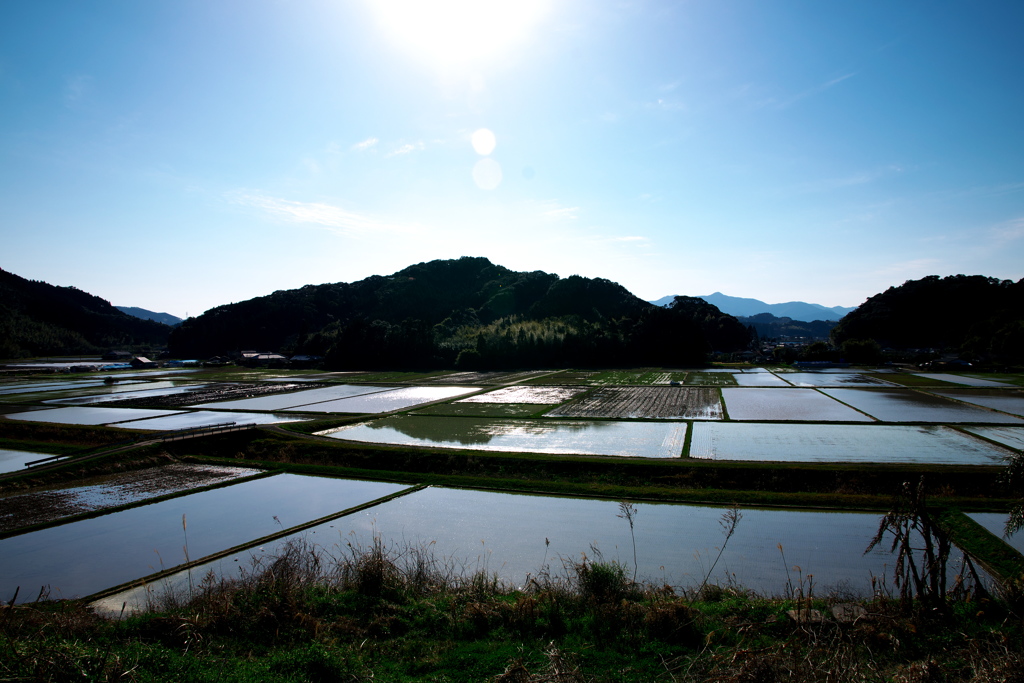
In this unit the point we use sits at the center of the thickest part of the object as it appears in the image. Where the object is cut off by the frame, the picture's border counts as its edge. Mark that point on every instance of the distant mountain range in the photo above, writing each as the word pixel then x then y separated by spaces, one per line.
pixel 795 310
pixel 165 318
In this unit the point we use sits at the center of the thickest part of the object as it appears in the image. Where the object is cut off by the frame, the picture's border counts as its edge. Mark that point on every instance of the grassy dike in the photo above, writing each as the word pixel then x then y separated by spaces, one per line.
pixel 401 614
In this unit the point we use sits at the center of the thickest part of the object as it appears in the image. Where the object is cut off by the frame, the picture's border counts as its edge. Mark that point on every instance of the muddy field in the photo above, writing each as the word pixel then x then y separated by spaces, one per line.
pixel 690 403
pixel 110 491
pixel 526 394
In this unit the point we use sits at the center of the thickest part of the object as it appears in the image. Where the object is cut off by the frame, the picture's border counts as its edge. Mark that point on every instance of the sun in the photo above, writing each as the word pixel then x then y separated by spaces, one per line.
pixel 458 33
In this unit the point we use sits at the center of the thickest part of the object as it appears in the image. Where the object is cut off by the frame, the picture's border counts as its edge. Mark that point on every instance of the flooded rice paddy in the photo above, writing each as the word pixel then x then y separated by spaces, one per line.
pixel 79 415
pixel 207 418
pixel 966 381
pixel 841 443
pixel 82 557
pixel 634 439
pixel 386 401
pixel 515 536
pixel 801 405
pixel 690 403
pixel 1006 401
pixel 131 392
pixel 12 461
pixel 295 399
pixel 907 405
pixel 758 379
pixel 1012 437
pixel 831 379
pixel 111 490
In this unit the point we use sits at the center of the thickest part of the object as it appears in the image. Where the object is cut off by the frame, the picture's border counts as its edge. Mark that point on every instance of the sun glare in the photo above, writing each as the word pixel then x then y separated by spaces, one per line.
pixel 458 33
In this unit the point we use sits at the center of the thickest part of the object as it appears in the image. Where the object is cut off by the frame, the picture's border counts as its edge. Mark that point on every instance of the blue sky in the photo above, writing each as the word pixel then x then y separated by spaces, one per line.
pixel 181 155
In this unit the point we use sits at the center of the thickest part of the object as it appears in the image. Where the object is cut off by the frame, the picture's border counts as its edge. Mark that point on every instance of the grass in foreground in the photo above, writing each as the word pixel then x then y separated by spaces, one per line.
pixel 401 615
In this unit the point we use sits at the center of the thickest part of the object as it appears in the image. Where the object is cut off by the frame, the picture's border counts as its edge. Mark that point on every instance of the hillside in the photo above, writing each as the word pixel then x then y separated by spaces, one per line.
pixel 37 318
pixel 467 312
pixel 769 326
pixel 744 307
pixel 977 316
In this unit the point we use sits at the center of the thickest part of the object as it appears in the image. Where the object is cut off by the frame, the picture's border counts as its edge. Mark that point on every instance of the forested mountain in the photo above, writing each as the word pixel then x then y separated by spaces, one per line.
pixel 975 315
pixel 768 326
pixel 466 312
pixel 37 318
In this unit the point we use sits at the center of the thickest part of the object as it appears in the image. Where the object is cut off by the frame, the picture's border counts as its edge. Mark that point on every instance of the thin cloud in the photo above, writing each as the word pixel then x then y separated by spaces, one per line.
pixel 776 103
pixel 556 212
pixel 407 149
pixel 322 214
pixel 851 180
pixel 366 144
pixel 76 89
pixel 909 269
pixel 1008 232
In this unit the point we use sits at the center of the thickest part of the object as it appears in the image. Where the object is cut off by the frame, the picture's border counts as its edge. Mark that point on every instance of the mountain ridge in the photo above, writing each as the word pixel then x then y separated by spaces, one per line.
pixel 746 307
pixel 145 314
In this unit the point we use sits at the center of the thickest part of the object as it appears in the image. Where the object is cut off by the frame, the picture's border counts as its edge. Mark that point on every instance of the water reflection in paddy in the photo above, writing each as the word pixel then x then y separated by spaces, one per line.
pixel 206 418
pixel 841 443
pixel 294 399
pixel 639 439
pixel 515 536
pixel 1007 401
pixel 79 415
pixel 759 379
pixel 968 381
pixel 11 461
pixel 61 386
pixel 526 394
pixel 787 404
pixel 1008 436
pixel 89 555
pixel 128 393
pixel 906 405
pixel 385 401
pixel 831 379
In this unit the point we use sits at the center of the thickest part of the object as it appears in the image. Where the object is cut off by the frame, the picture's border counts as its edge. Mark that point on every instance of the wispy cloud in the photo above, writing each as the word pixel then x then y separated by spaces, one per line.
pixel 666 105
pixel 76 88
pixel 850 180
pixel 366 144
pixel 915 268
pixel 552 210
pixel 786 102
pixel 322 214
pixel 406 149
pixel 1008 232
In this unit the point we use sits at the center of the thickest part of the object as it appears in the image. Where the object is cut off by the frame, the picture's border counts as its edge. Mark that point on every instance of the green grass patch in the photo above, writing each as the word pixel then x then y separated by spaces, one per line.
pixel 998 558
pixel 382 614
pixel 400 377
pixel 713 379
